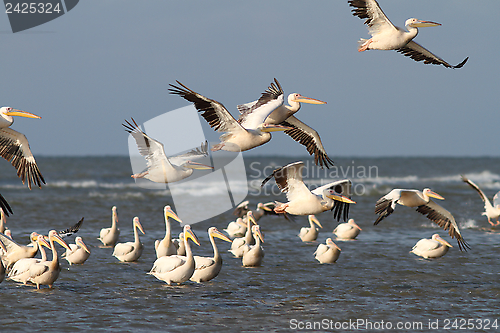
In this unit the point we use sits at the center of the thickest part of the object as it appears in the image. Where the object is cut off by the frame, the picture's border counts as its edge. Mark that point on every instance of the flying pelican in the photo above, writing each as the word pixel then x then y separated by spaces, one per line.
pixel 490 211
pixel 207 268
pixel 16 251
pixel 130 251
pixel 349 230
pixel 248 132
pixel 46 273
pixel 71 230
pixel 166 247
pixel 242 209
pixel 431 248
pixel 176 269
pixel 160 168
pixel 4 206
pixel 327 254
pixel 422 200
pixel 20 271
pixel 302 201
pixel 109 236
pixel 79 252
pixel 386 36
pixel 238 244
pixel 300 132
pixel 14 147
pixel 310 234
pixel 253 254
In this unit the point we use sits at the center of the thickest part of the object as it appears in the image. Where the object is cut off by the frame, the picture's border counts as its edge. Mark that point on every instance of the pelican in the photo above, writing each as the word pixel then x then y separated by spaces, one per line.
pixel 179 244
pixel 300 132
pixel 238 244
pixel 16 251
pixel 14 147
pixel 176 269
pixel 490 211
pixel 46 273
pixel 248 132
pixel 386 36
pixel 130 251
pixel 20 271
pixel 236 228
pixel 4 206
pixel 160 168
pixel 253 254
pixel 431 248
pixel 109 236
pixel 302 201
pixel 310 234
pixel 78 253
pixel 349 230
pixel 207 268
pixel 422 200
pixel 327 254
pixel 166 247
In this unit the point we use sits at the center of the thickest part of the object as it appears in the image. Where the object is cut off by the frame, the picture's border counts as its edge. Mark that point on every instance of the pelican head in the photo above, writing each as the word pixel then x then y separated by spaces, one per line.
pixel 42 240
pixel 114 214
pixel 197 166
pixel 79 242
pixel 54 236
pixel 188 233
pixel 313 219
pixel 264 207
pixel 170 213
pixel 6 113
pixel 332 244
pixel 267 128
pixel 428 192
pixel 298 98
pixel 138 225
pixel 438 238
pixel 213 231
pixel 354 224
pixel 250 217
pixel 415 23
pixel 256 231
pixel 34 236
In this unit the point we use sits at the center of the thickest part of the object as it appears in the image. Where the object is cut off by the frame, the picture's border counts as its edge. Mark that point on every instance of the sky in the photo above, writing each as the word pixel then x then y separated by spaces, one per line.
pixel 105 61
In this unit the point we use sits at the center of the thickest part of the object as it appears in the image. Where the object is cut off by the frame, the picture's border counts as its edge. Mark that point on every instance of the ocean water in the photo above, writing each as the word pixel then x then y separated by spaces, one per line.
pixel 376 285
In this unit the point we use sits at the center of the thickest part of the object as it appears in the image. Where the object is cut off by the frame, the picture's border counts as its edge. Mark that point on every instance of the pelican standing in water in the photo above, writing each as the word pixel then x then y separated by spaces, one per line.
pixel 238 244
pixel 248 132
pixel 207 268
pixel 349 230
pixel 386 36
pixel 238 228
pixel 422 200
pixel 109 236
pixel 17 251
pixel 253 254
pixel 490 211
pixel 177 269
pixel 14 147
pixel 431 248
pixel 160 168
pixel 300 132
pixel 327 254
pixel 130 251
pixel 166 246
pixel 20 271
pixel 302 201
pixel 310 234
pixel 78 253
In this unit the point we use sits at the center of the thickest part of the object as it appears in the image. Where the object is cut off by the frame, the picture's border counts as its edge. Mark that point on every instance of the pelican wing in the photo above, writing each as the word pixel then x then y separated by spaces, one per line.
pixel 342 187
pixel 426 245
pixel 322 248
pixel 72 230
pixel 5 206
pixel 289 180
pixel 308 137
pixel 474 186
pixel 37 269
pixel 241 209
pixel 123 248
pixel 203 262
pixel 419 53
pixel 385 206
pixel 14 147
pixel 496 200
pixel 272 92
pixel 445 220
pixel 370 10
pixel 167 264
pixel 10 245
pixel 193 154
pixel 217 116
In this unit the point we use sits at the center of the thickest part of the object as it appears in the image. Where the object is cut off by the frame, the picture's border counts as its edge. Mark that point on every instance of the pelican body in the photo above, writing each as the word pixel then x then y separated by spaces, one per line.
pixel 327 253
pixel 238 244
pixel 253 254
pixel 310 234
pixel 349 230
pixel 109 236
pixel 431 248
pixel 20 271
pixel 130 251
pixel 16 251
pixel 78 253
pixel 490 211
pixel 166 246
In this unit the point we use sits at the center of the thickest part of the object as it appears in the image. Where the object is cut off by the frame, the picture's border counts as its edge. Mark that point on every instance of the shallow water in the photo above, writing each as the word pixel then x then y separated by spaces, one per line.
pixel 376 281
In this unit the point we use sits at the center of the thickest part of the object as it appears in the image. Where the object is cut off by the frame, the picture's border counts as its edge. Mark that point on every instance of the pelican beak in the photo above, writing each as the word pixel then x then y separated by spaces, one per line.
pixel 21 113
pixel 303 99
pixel 190 234
pixel 341 198
pixel 197 166
pixel 43 241
pixel 170 213
pixel 257 230
pixel 442 241
pixel 220 235
pixel 250 216
pixel 273 128
pixel 59 240
pixel 422 24
pixel 315 220
pixel 264 207
pixel 434 195
pixel 139 225
pixel 80 242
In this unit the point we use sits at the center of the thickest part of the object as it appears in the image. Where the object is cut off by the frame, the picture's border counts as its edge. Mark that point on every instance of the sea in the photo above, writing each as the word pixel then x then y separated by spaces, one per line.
pixel 376 285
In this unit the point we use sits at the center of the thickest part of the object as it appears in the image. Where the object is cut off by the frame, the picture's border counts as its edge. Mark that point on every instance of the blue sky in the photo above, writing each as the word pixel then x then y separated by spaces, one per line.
pixel 109 60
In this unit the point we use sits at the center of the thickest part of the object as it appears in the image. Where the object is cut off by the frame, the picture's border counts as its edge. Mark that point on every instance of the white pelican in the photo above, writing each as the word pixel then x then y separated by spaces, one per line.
pixel 160 168
pixel 17 251
pixel 253 254
pixel 176 269
pixel 130 251
pixel 490 211
pixel 300 132
pixel 20 271
pixel 14 147
pixel 248 132
pixel 78 253
pixel 386 36
pixel 431 248
pixel 166 247
pixel 302 201
pixel 236 228
pixel 310 234
pixel 179 244
pixel 422 200
pixel 4 206
pixel 238 244
pixel 327 254
pixel 207 268
pixel 46 273
pixel 349 230
pixel 109 236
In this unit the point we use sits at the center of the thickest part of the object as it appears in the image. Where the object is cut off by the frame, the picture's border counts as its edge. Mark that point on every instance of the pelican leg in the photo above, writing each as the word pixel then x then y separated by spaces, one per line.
pixel 364 46
pixel 139 175
pixel 492 224
pixel 280 209
pixel 218 146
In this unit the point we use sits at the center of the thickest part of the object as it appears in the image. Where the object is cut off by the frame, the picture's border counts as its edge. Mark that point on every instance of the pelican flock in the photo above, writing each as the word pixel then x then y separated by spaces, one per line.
pixel 490 211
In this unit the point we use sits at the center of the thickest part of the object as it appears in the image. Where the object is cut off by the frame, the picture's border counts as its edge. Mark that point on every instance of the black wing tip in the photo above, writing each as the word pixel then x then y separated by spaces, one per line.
pixel 5 206
pixel 460 65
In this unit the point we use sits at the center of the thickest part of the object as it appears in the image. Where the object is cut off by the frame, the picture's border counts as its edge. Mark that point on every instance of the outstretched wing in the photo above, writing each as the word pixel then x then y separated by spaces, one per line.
pixel 72 230
pixel 370 10
pixel 193 154
pixel 419 53
pixel 5 206
pixel 340 187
